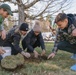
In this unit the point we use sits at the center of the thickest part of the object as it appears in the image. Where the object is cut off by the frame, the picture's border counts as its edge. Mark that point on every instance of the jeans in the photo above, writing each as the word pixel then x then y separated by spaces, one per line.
pixel 66 46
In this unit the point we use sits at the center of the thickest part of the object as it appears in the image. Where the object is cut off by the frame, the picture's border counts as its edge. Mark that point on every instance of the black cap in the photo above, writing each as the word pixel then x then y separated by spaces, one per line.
pixel 24 27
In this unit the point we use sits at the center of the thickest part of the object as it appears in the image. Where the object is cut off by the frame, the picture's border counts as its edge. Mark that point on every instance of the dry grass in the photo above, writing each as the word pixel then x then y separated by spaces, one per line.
pixel 60 65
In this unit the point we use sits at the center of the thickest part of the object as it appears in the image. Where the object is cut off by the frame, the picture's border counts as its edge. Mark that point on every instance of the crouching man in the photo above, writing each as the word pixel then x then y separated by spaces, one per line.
pixel 13 39
pixel 66 35
pixel 34 39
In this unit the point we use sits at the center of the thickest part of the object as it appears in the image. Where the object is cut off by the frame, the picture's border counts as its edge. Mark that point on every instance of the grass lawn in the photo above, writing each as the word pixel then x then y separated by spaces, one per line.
pixel 60 65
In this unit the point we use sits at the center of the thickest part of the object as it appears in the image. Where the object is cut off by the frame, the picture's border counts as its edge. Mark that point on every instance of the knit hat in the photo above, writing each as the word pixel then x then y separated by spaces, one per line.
pixel 37 27
pixel 24 27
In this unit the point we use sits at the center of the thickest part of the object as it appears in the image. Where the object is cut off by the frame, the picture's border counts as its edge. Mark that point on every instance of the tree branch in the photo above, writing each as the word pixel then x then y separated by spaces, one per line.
pixel 10 2
pixel 31 4
pixel 33 17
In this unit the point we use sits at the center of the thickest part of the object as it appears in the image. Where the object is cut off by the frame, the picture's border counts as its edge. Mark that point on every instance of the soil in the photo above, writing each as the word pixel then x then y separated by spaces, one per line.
pixel 37 60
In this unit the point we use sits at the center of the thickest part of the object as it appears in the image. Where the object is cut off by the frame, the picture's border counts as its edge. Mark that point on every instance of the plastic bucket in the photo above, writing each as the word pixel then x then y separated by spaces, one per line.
pixel 8 51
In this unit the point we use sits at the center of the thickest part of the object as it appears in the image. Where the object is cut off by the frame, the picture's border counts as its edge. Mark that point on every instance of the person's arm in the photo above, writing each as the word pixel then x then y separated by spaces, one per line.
pixel 26 42
pixel 55 49
pixel 16 42
pixel 73 28
pixel 1 23
pixel 3 32
pixel 2 51
pixel 30 48
pixel 58 37
pixel 41 42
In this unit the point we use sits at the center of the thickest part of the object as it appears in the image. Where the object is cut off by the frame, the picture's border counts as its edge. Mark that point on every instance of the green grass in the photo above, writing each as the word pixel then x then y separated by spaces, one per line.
pixel 60 65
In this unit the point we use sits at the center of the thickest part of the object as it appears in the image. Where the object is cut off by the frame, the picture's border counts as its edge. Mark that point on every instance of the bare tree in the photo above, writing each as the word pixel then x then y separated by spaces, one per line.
pixel 34 8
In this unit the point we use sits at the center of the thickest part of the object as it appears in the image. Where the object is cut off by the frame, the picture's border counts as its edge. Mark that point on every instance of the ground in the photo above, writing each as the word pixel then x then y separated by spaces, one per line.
pixel 60 65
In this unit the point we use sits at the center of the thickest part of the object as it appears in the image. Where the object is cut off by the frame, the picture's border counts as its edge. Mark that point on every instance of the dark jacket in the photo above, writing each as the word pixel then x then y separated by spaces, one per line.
pixel 13 38
pixel 65 35
pixel 31 39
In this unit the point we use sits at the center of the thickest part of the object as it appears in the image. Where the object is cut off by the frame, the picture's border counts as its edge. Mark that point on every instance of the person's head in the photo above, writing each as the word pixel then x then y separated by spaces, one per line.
pixel 37 28
pixel 61 20
pixel 23 28
pixel 5 10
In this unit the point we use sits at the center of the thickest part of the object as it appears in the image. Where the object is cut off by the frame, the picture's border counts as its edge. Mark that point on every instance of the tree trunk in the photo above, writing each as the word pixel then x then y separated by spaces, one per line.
pixel 21 14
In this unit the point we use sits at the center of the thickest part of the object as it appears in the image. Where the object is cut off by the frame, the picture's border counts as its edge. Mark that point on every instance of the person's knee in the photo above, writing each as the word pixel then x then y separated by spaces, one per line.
pixel 36 45
pixel 61 46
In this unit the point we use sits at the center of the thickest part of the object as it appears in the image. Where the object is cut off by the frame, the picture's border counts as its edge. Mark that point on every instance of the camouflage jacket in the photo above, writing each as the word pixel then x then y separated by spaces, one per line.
pixel 65 36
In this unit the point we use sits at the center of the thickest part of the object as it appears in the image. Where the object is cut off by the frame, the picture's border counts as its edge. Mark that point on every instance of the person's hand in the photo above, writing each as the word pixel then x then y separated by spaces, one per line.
pixel 36 54
pixel 3 34
pixel 52 55
pixel 26 54
pixel 2 51
pixel 43 53
pixel 74 32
